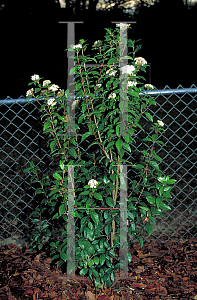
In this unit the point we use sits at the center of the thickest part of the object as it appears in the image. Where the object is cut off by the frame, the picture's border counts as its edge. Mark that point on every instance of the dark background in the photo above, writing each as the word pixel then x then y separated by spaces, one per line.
pixel 33 42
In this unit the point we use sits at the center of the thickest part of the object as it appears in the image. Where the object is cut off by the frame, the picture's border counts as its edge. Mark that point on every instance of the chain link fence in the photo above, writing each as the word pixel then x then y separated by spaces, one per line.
pixel 22 140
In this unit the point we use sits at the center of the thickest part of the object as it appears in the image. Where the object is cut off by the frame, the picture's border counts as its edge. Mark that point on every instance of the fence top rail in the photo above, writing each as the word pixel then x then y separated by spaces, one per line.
pixel 151 93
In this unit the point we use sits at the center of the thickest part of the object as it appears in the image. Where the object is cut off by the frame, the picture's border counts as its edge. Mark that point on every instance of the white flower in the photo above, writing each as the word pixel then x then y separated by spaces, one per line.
pixel 50 102
pixel 35 77
pixel 77 46
pixel 123 26
pixel 74 103
pixel 96 42
pixel 132 83
pixel 149 86
pixel 29 92
pixel 140 61
pixel 46 82
pixel 92 183
pixel 160 123
pixel 112 96
pixel 54 87
pixel 129 69
pixel 99 84
pixel 111 72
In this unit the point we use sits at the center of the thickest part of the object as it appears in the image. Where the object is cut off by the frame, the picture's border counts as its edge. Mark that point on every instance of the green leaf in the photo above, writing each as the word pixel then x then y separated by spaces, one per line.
pixel 110 144
pixel 98 196
pixel 131 215
pixel 144 208
pixel 149 228
pixel 105 179
pixel 129 257
pixel 62 209
pixel 83 271
pixel 95 217
pixel 119 144
pixel 47 125
pixel 151 219
pixel 161 190
pixel 171 181
pixel 107 229
pixel 113 277
pixel 126 138
pixel 52 145
pixel 112 254
pixel 55 257
pixel 40 246
pixel 164 206
pixel 27 170
pixel 154 165
pixel 90 262
pixel 96 260
pixel 154 137
pixel 39 191
pixel 138 166
pixel 167 188
pixel 127 147
pixel 72 152
pixel 157 157
pixel 97 281
pixel 55 216
pixel 147 140
pixel 106 277
pixel 57 176
pixel 107 245
pixel 85 136
pixel 110 202
pixel 90 225
pixel 81 118
pixel 61 165
pixel 149 117
pixel 150 199
pixel 95 273
pixel 63 256
pixel 108 282
pixel 102 259
pixel 140 240
pixel 132 226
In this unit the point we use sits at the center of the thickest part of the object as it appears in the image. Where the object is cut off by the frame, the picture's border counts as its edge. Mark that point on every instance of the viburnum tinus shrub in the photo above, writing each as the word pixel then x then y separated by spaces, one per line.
pixel 110 108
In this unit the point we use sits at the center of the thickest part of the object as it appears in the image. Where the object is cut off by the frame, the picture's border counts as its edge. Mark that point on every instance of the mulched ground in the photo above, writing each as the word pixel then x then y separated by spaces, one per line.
pixel 157 271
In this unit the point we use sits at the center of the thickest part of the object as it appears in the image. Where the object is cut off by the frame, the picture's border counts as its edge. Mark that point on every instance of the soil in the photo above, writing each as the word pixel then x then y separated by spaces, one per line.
pixel 157 271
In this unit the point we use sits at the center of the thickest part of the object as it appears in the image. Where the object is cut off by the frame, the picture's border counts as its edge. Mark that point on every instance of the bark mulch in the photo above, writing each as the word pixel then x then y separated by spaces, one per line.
pixel 157 271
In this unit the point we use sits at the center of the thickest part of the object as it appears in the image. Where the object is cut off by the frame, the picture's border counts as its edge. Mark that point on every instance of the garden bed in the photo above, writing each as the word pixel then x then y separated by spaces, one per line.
pixel 157 271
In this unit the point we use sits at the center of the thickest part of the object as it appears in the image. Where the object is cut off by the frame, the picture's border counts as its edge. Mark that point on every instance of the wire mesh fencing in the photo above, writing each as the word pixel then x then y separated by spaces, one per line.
pixel 22 141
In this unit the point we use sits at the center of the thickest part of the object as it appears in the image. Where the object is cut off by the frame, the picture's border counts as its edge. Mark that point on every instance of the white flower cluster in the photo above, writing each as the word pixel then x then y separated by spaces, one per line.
pixel 132 83
pixel 35 77
pixel 93 183
pixel 160 123
pixel 113 95
pixel 123 26
pixel 46 82
pixel 111 72
pixel 129 69
pixel 29 92
pixel 77 46
pixel 51 102
pixel 54 87
pixel 149 86
pixel 140 61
